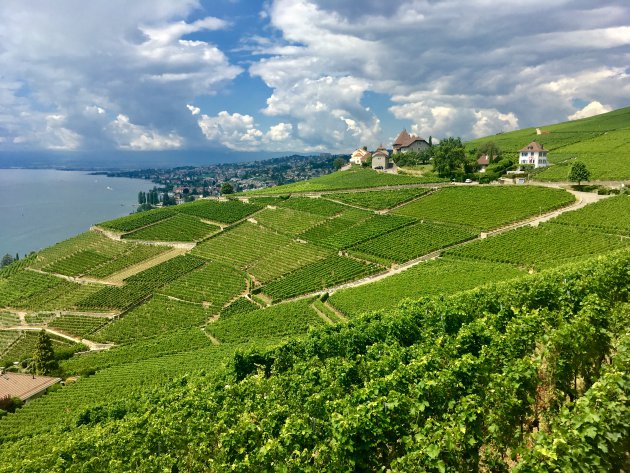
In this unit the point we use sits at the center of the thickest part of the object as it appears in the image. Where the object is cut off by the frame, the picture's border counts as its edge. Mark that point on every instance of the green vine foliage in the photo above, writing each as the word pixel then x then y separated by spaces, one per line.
pixel 527 376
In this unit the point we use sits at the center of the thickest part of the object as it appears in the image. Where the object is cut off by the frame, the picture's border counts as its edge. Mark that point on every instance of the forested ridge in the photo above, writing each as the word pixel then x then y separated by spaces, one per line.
pixel 530 375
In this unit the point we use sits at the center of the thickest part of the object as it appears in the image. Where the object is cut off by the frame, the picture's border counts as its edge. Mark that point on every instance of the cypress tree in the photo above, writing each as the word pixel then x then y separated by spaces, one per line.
pixel 44 361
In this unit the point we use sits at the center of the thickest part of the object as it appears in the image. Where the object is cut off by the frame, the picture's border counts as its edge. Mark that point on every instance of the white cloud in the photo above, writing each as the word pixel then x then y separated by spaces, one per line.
pixel 117 59
pixel 593 108
pixel 194 110
pixel 136 137
pixel 280 132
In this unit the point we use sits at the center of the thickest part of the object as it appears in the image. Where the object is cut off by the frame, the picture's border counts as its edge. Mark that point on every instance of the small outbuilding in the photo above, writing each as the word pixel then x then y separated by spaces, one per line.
pixel 482 162
pixel 380 159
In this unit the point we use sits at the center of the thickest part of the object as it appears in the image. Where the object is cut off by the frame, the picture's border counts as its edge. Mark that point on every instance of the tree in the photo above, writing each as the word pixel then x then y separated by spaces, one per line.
pixel 142 198
pixel 491 149
pixel 339 163
pixel 449 157
pixel 226 188
pixel 579 172
pixel 44 361
pixel 6 260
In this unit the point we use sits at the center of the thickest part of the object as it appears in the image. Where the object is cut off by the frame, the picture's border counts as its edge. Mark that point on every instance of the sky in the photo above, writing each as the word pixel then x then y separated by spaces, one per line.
pixel 302 76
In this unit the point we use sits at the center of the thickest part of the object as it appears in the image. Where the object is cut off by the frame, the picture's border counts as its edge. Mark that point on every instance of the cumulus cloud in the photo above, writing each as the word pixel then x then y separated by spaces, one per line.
pixel 119 59
pixel 593 108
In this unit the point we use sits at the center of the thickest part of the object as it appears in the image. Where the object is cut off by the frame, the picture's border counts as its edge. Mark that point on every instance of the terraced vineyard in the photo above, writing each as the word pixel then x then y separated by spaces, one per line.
pixel 8 319
pixel 181 227
pixel 287 221
pixel 416 240
pixel 135 255
pixel 78 325
pixel 276 322
pixel 322 207
pixel 332 226
pixel 378 200
pixel 442 276
pixel 286 260
pixel 159 316
pixel 23 347
pixel 540 247
pixel 365 230
pixel 355 178
pixel 226 212
pixel 319 275
pixel 213 283
pixel 610 215
pixel 242 245
pixel 486 208
pixel 135 221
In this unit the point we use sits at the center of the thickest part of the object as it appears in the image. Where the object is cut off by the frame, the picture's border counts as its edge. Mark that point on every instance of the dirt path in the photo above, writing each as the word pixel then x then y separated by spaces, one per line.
pixel 93 346
pixel 119 277
pixel 322 316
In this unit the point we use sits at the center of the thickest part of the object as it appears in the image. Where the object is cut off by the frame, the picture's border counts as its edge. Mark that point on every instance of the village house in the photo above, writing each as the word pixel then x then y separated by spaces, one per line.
pixel 534 153
pixel 406 142
pixel 380 158
pixel 360 156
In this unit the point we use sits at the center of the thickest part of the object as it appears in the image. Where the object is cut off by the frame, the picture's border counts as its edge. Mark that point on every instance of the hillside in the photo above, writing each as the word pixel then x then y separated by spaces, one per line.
pixel 601 141
pixel 203 310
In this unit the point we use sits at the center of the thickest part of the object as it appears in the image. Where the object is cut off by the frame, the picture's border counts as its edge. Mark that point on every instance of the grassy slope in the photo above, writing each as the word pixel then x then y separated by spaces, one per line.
pixel 602 142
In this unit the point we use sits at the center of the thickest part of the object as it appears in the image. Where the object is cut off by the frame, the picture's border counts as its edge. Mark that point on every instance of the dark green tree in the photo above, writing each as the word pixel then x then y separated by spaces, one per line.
pixel 226 188
pixel 449 157
pixel 44 361
pixel 579 172
pixel 6 260
pixel 142 198
pixel 491 149
pixel 339 163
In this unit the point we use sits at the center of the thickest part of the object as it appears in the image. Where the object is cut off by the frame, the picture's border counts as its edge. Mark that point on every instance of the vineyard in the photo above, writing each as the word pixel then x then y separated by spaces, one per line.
pixel 609 215
pixel 415 240
pixel 322 207
pixel 277 322
pixel 378 200
pixel 226 212
pixel 22 345
pixel 442 276
pixel 365 230
pixel 135 255
pixel 546 245
pixel 335 225
pixel 485 207
pixel 78 325
pixel 138 220
pixel 319 275
pixel 286 220
pixel 496 377
pixel 159 316
pixel 242 245
pixel 289 258
pixel 214 284
pixel 355 178
pixel 181 227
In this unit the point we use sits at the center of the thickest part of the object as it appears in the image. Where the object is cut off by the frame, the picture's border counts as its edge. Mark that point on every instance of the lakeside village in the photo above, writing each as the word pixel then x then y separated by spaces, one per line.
pixel 408 154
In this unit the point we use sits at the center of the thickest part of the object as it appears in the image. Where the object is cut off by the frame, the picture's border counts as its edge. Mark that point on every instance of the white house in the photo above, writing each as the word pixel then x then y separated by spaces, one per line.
pixel 534 153
pixel 359 156
pixel 380 158
pixel 406 142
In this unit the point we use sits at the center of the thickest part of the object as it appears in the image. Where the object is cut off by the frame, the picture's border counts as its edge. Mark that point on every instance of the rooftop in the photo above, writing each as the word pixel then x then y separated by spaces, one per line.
pixel 534 146
pixel 24 386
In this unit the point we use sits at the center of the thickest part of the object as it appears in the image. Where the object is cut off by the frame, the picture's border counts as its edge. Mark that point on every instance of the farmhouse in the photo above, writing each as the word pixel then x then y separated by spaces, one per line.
pixel 360 156
pixel 380 158
pixel 24 386
pixel 406 142
pixel 534 153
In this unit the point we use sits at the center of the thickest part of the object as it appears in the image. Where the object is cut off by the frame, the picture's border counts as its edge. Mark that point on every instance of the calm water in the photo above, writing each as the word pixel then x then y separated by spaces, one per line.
pixel 39 207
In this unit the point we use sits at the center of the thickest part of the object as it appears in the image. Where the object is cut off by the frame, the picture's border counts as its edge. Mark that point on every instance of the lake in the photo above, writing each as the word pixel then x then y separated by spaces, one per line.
pixel 39 207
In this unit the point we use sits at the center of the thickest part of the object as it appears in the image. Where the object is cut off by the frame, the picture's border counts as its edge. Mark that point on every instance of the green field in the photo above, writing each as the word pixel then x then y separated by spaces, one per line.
pixel 355 178
pixel 486 207
pixel 611 215
pixel 133 222
pixel 292 222
pixel 226 212
pixel 181 227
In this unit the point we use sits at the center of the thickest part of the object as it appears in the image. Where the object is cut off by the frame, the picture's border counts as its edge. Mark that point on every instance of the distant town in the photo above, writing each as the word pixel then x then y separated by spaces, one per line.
pixel 181 184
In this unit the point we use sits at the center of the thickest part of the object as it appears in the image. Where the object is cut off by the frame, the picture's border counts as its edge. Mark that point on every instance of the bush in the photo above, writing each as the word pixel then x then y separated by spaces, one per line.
pixel 10 404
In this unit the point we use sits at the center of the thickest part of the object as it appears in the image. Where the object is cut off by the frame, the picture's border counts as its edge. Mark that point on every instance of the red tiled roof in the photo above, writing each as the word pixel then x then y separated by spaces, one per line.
pixel 534 146
pixel 405 139
pixel 483 160
pixel 24 386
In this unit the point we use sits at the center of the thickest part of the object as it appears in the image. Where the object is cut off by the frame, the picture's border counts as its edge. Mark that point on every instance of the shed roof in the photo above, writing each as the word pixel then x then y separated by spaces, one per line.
pixel 24 386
